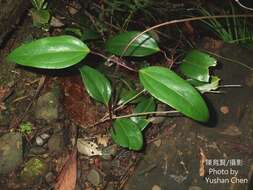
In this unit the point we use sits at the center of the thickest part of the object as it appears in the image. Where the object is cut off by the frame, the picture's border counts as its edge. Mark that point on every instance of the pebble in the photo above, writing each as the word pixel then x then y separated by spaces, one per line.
pixel 49 177
pixel 94 177
pixel 109 152
pixel 194 188
pixel 37 150
pixel 44 136
pixel 156 187
pixel 39 141
pixel 56 143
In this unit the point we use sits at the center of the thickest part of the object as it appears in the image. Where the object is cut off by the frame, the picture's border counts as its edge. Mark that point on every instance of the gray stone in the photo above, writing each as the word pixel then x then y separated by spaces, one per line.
pixel 94 177
pixel 11 152
pixel 39 141
pixel 56 143
pixel 156 187
pixel 109 152
pixel 50 177
pixel 47 106
pixel 37 150
pixel 194 188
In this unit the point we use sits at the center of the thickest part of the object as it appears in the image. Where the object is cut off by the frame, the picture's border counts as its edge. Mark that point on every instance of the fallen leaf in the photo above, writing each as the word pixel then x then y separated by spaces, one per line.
pixel 4 93
pixel 202 162
pixel 102 140
pixel 55 22
pixel 224 109
pixel 74 7
pixel 67 178
pixel 88 148
pixel 231 130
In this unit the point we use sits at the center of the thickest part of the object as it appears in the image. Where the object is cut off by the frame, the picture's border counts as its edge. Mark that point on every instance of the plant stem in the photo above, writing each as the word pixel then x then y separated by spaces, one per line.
pixel 106 118
pixel 145 113
pixel 131 99
pixel 116 60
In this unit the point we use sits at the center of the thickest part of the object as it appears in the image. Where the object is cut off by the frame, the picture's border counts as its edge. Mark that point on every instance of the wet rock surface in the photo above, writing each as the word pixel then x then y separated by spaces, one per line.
pixel 11 152
pixel 174 163
pixel 47 107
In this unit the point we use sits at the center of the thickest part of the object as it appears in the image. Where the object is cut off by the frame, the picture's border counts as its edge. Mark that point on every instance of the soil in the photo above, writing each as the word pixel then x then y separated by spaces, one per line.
pixel 176 151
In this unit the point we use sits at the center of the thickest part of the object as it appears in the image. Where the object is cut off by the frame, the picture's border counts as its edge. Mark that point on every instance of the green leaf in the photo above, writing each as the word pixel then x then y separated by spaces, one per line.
pixel 206 87
pixel 38 4
pixel 169 88
pixel 127 134
pixel 50 52
pixel 142 46
pixel 146 105
pixel 196 65
pixel 96 84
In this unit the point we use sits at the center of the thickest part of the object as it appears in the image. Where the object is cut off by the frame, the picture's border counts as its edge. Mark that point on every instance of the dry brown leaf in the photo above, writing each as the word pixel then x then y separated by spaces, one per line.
pixel 202 162
pixel 103 139
pixel 67 178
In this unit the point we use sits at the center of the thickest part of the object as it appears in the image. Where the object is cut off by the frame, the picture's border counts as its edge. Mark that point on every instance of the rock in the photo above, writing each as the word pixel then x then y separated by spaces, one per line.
pixel 47 106
pixel 194 188
pixel 94 177
pixel 110 186
pixel 50 177
pixel 109 152
pixel 156 187
pixel 56 143
pixel 44 136
pixel 159 120
pixel 11 152
pixel 39 141
pixel 37 150
pixel 4 118
pixel 33 170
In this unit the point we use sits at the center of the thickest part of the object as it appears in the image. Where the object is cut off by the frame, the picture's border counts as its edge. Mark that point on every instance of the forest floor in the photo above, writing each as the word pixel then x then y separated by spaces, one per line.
pixel 179 153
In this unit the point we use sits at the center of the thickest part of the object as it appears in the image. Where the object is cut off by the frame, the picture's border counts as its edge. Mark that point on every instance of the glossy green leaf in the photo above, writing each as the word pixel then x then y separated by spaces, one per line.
pixel 169 88
pixel 127 134
pixel 146 105
pixel 142 46
pixel 206 87
pixel 196 65
pixel 50 52
pixel 96 84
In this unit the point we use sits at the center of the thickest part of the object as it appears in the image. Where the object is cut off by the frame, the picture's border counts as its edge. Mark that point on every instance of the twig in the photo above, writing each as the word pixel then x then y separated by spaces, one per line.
pixel 107 118
pixel 228 59
pixel 243 6
pixel 180 21
pixel 131 99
